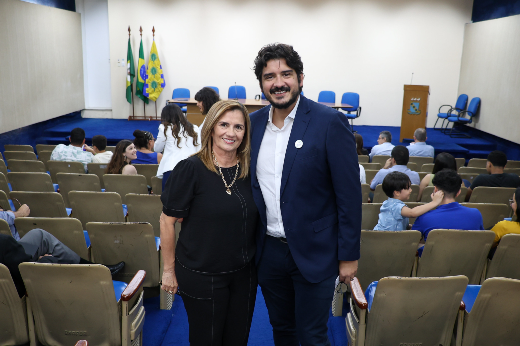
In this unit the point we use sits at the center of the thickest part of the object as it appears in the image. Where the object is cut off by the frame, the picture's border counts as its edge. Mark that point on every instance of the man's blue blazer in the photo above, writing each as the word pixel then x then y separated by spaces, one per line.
pixel 320 197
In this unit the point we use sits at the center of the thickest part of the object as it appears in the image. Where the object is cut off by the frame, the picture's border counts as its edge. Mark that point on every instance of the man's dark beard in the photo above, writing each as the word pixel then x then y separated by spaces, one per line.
pixel 294 97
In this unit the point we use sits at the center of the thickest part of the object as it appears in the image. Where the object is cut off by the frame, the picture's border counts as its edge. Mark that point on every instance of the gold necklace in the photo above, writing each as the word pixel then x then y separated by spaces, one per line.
pixel 222 175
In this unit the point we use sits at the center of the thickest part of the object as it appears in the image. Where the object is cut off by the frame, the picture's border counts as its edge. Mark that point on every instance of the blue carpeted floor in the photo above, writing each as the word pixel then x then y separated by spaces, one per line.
pixel 163 327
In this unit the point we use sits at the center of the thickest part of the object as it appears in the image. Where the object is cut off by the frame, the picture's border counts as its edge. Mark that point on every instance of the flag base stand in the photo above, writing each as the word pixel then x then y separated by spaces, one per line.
pixel 135 117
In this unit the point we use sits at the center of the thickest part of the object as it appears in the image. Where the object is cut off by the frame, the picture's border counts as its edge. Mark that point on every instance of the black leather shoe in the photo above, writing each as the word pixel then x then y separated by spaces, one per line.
pixel 116 268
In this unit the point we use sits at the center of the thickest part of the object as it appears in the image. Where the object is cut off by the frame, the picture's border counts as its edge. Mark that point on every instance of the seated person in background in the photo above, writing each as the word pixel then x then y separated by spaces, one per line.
pixel 144 143
pixel 442 161
pixel 206 97
pixel 77 151
pixel 506 227
pixel 496 161
pixel 394 214
pixel 38 246
pixel 449 214
pixel 99 144
pixel 383 146
pixel 121 160
pixel 397 162
pixel 419 147
pixel 9 217
pixel 359 145
pixel 362 174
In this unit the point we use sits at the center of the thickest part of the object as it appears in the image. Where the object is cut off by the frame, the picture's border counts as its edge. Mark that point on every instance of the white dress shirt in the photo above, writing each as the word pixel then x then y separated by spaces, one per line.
pixel 381 149
pixel 271 157
pixel 362 175
pixel 421 149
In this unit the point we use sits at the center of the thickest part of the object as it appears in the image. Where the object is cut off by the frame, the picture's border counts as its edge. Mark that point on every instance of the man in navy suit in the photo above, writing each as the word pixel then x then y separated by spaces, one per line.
pixel 305 181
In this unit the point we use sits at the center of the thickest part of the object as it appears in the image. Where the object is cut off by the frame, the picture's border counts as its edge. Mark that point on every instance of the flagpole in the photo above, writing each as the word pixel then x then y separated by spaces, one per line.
pixel 132 86
pixel 153 35
pixel 144 103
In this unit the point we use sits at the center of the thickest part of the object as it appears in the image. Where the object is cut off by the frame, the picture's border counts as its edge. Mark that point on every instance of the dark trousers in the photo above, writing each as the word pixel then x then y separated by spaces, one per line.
pixel 220 307
pixel 298 310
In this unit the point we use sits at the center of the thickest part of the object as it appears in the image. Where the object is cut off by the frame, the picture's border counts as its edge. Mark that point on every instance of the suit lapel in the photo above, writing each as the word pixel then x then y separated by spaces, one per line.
pixel 257 134
pixel 301 120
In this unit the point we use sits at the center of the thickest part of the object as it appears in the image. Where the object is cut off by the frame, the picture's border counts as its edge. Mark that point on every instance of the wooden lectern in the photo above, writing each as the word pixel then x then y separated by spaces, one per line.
pixel 415 109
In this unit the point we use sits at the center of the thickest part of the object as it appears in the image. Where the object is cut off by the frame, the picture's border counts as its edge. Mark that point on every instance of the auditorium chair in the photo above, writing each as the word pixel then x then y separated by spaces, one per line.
pixel 513 164
pixel 365 191
pixel 35 182
pixel 145 208
pixel 472 110
pixel 96 207
pixel 370 174
pixel 369 215
pixel 412 166
pixel 42 204
pixel 421 160
pixel 156 185
pixel 148 170
pixel 98 169
pixel 18 147
pixel 135 244
pixel 181 93
pixel 68 230
pixel 363 158
pixel 76 182
pixel 4 185
pixel 468 176
pixel 111 148
pixel 427 167
pixel 45 156
pixel 506 258
pixel 3 168
pixel 214 88
pixel 405 311
pixel 354 111
pixel 4 201
pixel 455 252
pixel 460 105
pixel 380 196
pixel 125 184
pixel 371 166
pixel 512 170
pixel 486 194
pixel 412 204
pixel 4 228
pixel 492 213
pixel 44 147
pixel 13 315
pixel 327 96
pixel 492 314
pixel 27 166
pixel 79 302
pixel 386 253
pixel 20 155
pixel 423 174
pixel 460 162
pixel 56 167
pixel 474 170
pixel 426 196
pixel 236 92
pixel 380 159
pixel 478 163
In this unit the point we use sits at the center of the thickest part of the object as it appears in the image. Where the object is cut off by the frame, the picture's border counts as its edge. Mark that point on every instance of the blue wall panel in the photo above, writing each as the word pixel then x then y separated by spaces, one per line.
pixel 69 5
pixel 493 9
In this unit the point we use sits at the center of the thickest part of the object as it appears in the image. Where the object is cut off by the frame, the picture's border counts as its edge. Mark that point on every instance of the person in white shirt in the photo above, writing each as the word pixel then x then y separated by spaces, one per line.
pixel 99 144
pixel 177 140
pixel 384 145
pixel 77 151
pixel 419 147
pixel 362 175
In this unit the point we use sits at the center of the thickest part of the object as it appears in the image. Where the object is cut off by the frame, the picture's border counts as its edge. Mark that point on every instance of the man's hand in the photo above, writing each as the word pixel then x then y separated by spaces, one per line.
pixel 23 211
pixel 388 163
pixel 347 270
pixel 89 149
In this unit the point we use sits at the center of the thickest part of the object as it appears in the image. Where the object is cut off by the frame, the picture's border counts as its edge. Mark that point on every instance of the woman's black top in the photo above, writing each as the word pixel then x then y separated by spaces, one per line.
pixel 218 230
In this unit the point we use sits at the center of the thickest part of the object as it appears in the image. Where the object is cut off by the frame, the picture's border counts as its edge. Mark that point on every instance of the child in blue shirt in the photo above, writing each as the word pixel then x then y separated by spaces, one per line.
pixel 394 214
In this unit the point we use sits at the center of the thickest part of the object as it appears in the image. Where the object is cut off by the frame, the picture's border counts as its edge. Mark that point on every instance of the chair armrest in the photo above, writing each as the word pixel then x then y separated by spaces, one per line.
pixel 133 286
pixel 82 343
pixel 444 106
pixel 357 293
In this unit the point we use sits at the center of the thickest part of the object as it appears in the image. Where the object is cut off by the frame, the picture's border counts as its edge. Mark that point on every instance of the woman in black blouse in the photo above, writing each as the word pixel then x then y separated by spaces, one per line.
pixel 210 193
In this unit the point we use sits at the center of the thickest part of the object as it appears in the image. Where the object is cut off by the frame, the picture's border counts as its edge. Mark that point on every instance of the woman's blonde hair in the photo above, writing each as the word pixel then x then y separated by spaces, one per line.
pixel 212 118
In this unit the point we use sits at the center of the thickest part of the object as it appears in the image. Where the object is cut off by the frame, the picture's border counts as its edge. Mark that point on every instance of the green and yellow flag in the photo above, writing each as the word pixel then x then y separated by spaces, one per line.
pixel 141 75
pixel 130 73
pixel 154 83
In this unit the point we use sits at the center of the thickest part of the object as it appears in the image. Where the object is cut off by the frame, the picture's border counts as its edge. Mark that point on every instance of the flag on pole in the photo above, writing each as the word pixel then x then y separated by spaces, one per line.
pixel 130 72
pixel 141 75
pixel 154 83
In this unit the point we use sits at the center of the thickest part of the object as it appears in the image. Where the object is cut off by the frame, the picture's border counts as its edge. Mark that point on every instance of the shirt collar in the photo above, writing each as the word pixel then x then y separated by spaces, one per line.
pixel 291 115
pixel 75 148
pixel 420 143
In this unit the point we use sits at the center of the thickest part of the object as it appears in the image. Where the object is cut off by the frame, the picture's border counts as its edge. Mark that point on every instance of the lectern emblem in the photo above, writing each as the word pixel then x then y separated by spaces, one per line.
pixel 414 108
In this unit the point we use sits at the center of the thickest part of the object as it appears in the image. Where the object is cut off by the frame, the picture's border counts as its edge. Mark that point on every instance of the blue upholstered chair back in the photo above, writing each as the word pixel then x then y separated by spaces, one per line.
pixel 181 93
pixel 237 92
pixel 327 96
pixel 350 99
pixel 214 88
pixel 462 102
pixel 473 106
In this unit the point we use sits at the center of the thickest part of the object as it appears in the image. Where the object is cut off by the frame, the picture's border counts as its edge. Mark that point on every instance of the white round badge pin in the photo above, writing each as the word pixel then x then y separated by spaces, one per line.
pixel 298 144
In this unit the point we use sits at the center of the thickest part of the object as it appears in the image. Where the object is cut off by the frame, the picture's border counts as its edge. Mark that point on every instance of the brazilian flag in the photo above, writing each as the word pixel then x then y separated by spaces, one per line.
pixel 130 73
pixel 154 83
pixel 141 75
